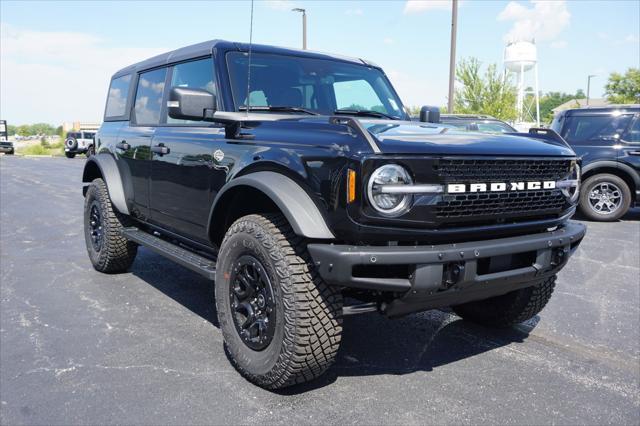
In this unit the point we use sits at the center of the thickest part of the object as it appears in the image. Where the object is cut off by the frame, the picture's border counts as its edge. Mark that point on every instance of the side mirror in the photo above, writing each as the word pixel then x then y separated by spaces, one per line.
pixel 430 114
pixel 191 104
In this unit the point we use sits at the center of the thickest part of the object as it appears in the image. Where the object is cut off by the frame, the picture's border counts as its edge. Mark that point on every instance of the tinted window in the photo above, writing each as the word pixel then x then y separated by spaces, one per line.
pixel 148 104
pixel 594 127
pixel 357 94
pixel 319 85
pixel 117 97
pixel 493 127
pixel 194 75
pixel 633 135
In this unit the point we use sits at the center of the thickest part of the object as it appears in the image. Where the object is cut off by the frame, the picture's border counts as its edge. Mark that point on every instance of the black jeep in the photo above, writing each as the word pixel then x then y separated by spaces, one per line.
pixel 297 182
pixel 608 141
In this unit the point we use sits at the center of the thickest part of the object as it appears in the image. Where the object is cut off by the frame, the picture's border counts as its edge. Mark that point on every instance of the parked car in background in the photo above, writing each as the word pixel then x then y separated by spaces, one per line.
pixel 6 147
pixel 476 123
pixel 608 140
pixel 81 142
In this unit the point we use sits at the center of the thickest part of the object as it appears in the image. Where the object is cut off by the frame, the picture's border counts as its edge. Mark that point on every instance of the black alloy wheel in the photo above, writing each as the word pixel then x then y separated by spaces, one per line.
pixel 95 226
pixel 252 301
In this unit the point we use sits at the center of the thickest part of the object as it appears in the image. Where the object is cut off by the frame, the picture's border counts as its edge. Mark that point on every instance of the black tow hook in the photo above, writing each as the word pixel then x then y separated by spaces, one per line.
pixel 452 274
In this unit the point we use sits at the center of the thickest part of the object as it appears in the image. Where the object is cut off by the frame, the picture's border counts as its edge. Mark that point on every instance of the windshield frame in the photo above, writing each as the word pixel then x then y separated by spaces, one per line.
pixel 235 106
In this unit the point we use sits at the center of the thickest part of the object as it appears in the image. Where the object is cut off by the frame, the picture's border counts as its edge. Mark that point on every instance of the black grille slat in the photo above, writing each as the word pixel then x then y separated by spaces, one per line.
pixel 501 170
pixel 492 207
pixel 500 204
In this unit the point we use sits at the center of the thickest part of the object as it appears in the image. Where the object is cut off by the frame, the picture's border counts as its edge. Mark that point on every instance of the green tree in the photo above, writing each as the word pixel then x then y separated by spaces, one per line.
pixel 624 88
pixel 11 129
pixel 484 94
pixel 551 100
pixel 24 130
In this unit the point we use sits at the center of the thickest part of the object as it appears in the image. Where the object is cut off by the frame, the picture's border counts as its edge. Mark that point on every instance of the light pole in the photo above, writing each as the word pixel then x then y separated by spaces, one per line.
pixel 452 58
pixel 304 26
pixel 589 85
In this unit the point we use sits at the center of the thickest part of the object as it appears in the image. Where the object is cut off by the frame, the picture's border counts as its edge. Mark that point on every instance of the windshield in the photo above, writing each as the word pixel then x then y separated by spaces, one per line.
pixel 317 85
pixel 485 126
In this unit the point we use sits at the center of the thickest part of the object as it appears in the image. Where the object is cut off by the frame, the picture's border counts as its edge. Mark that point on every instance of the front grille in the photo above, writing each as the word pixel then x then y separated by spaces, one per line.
pixel 526 203
pixel 496 207
pixel 462 171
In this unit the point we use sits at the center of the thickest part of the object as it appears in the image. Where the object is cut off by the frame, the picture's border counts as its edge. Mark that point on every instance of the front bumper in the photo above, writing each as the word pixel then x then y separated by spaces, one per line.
pixel 448 274
pixel 6 148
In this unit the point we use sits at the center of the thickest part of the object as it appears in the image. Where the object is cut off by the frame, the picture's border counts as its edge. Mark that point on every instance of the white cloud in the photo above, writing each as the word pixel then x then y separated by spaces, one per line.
pixel 631 38
pixel 542 22
pixel 559 44
pixel 354 12
pixel 55 76
pixel 388 41
pixel 418 6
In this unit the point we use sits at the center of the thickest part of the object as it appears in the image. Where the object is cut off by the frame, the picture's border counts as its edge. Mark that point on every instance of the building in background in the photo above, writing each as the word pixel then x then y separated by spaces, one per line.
pixel 581 103
pixel 77 126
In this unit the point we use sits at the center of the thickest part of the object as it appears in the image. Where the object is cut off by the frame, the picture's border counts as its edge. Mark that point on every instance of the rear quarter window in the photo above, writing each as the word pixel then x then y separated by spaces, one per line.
pixel 117 97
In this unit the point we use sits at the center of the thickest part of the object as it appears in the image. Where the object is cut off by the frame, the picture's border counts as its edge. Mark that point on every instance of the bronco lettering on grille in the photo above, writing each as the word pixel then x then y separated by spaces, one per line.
pixel 459 188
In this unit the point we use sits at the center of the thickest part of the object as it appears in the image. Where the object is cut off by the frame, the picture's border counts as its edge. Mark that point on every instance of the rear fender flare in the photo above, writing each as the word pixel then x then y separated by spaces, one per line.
pixel 110 173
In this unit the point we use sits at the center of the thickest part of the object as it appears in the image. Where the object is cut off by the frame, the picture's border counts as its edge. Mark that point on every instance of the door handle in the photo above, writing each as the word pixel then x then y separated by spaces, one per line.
pixel 123 145
pixel 634 152
pixel 160 149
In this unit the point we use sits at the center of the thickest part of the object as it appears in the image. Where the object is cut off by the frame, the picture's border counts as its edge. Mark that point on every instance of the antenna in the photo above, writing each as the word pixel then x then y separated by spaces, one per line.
pixel 249 66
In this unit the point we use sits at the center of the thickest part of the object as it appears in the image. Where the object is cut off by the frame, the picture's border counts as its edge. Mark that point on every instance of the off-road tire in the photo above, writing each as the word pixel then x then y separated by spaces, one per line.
pixel 508 309
pixel 594 180
pixel 90 151
pixel 117 253
pixel 70 154
pixel 308 311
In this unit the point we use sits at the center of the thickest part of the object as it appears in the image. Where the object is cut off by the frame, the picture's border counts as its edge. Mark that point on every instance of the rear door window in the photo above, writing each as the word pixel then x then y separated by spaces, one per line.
pixel 586 128
pixel 149 95
pixel 117 97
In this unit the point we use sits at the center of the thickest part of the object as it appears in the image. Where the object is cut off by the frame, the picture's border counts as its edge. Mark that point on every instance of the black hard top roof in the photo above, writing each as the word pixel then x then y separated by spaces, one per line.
pixel 206 48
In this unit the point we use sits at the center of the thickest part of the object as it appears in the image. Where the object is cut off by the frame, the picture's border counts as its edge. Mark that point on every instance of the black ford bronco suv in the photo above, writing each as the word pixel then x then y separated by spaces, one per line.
pixel 297 182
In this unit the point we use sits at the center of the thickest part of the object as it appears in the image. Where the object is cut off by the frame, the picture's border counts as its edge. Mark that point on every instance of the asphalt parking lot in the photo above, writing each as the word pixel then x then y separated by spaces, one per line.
pixel 79 347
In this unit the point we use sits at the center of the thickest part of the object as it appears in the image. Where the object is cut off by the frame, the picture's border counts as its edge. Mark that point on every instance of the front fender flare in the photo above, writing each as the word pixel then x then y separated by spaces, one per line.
pixel 110 173
pixel 614 165
pixel 292 200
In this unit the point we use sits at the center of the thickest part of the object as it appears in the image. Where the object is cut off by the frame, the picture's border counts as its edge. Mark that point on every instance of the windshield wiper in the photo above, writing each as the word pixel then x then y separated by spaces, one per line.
pixel 365 112
pixel 278 109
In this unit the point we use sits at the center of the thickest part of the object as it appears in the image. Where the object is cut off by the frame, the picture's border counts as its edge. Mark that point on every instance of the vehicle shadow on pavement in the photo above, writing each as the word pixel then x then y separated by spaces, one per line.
pixel 375 345
pixel 632 215
pixel 191 290
pixel 371 344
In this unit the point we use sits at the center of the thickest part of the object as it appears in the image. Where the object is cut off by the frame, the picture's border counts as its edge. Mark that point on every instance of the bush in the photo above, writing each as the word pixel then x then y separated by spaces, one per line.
pixel 43 149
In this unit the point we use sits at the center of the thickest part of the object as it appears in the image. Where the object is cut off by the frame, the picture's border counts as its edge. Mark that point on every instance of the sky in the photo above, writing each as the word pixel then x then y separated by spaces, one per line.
pixel 56 58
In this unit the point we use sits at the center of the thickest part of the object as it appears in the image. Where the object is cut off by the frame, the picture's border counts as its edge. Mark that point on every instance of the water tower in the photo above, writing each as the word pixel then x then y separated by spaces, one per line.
pixel 520 57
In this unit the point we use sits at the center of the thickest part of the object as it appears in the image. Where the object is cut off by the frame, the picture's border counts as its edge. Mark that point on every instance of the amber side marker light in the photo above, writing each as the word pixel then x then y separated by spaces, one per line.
pixel 351 186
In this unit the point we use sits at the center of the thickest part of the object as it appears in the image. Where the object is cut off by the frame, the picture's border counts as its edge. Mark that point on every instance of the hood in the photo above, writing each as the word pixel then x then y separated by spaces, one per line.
pixel 408 137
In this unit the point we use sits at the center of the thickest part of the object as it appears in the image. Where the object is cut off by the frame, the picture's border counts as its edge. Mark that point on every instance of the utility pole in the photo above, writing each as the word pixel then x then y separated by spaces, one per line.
pixel 589 85
pixel 452 59
pixel 304 26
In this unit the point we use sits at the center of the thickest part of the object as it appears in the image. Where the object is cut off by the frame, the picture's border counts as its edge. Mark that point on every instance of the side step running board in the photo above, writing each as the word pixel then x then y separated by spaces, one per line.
pixel 184 257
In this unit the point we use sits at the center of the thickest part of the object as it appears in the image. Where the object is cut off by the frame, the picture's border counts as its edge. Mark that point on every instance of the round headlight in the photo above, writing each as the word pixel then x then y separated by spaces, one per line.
pixel 389 203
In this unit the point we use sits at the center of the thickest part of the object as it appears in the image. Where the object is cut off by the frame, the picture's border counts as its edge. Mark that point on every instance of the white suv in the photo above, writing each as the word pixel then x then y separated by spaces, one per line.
pixel 81 142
